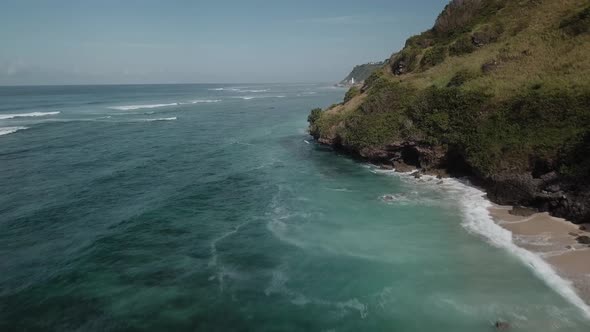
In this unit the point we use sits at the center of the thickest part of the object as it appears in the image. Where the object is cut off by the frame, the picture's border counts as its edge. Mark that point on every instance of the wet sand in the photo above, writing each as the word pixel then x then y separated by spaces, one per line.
pixel 554 239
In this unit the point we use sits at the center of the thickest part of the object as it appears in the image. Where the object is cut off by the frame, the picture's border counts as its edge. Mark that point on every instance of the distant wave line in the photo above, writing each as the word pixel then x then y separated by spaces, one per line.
pixel 161 119
pixel 240 90
pixel 198 101
pixel 26 115
pixel 136 107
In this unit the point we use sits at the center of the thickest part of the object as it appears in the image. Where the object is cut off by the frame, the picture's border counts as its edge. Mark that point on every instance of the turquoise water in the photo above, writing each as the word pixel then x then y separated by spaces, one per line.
pixel 208 208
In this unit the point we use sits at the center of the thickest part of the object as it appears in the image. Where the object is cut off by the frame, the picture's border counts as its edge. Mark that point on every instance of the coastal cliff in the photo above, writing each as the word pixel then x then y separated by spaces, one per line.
pixel 361 72
pixel 497 90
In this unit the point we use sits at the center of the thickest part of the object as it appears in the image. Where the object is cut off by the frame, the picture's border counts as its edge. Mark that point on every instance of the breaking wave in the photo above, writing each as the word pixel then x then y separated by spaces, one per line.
pixel 161 119
pixel 26 115
pixel 199 101
pixel 10 130
pixel 477 220
pixel 240 90
pixel 136 107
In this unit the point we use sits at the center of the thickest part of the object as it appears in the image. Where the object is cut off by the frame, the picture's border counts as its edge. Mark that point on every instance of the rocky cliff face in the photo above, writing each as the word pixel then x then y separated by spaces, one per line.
pixel 481 94
pixel 548 192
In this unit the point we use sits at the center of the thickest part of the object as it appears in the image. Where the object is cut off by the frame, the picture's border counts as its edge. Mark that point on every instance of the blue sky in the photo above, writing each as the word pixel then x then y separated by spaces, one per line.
pixel 151 41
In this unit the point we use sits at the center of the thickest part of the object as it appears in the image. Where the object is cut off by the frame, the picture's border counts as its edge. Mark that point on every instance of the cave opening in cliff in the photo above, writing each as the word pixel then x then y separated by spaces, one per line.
pixel 411 156
pixel 457 165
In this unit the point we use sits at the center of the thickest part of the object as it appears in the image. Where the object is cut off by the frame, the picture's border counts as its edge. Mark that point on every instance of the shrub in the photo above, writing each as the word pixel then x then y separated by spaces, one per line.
pixel 488 34
pixel 422 40
pixel 372 130
pixel 314 115
pixel 460 16
pixel 433 57
pixel 461 46
pixel 461 77
pixel 406 61
pixel 351 93
pixel 387 96
pixel 373 77
pixel 578 23
pixel 446 115
pixel 536 125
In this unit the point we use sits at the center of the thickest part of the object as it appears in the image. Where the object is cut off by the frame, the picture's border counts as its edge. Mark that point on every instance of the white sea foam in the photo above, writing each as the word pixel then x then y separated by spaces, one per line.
pixel 26 115
pixel 258 97
pixel 411 198
pixel 136 107
pixel 213 260
pixel 200 101
pixel 161 119
pixel 226 89
pixel 240 90
pixel 278 285
pixel 10 130
pixel 477 220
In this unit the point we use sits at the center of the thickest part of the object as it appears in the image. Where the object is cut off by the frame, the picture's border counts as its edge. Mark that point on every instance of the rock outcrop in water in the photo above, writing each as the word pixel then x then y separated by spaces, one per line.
pixel 483 94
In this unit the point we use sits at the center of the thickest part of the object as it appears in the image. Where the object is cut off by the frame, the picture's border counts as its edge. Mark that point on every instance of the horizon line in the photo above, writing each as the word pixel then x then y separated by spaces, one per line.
pixel 130 84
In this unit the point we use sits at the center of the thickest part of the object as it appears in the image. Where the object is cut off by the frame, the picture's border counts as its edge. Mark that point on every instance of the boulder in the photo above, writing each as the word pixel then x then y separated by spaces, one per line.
pixel 388 198
pixel 548 177
pixel 399 68
pixel 402 167
pixel 513 189
pixel 583 239
pixel 489 66
pixel 522 211
pixel 501 326
pixel 386 166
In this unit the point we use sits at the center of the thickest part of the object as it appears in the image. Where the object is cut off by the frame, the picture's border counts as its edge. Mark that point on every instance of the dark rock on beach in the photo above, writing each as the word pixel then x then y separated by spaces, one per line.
pixel 522 211
pixel 501 326
pixel 583 239
pixel 402 167
pixel 386 166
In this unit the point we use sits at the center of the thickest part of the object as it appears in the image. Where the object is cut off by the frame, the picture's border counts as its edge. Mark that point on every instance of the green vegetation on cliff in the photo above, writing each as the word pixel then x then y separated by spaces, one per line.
pixel 506 84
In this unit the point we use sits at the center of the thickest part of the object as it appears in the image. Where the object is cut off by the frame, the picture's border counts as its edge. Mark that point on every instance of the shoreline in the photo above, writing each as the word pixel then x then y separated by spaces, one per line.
pixel 554 241
pixel 559 266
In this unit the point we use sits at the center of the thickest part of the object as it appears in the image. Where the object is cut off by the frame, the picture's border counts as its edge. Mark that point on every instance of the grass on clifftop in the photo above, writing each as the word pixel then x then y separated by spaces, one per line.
pixel 506 82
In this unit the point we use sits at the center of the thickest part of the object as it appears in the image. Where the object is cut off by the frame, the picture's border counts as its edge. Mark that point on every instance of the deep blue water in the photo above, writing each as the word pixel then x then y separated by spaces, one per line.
pixel 208 208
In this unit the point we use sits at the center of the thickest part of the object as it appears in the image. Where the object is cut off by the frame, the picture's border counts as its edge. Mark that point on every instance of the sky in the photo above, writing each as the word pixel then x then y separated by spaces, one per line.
pixel 181 41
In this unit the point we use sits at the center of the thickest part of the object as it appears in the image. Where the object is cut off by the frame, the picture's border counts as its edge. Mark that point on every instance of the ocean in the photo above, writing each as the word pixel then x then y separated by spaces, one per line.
pixel 209 208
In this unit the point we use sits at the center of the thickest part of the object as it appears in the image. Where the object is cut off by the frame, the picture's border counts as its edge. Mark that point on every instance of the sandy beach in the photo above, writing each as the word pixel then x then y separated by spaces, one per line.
pixel 554 239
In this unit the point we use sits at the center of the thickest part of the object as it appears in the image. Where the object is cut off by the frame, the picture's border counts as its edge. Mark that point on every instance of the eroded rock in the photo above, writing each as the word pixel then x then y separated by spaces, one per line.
pixel 583 239
pixel 522 211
